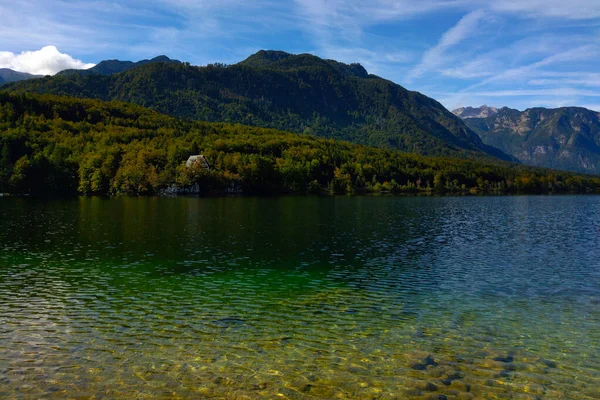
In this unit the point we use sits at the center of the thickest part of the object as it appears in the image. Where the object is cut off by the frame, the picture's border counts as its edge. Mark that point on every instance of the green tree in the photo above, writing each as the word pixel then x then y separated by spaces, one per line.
pixel 21 176
pixel 5 167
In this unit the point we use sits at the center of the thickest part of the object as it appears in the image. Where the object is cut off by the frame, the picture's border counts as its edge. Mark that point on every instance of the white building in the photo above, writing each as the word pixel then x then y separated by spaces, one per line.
pixel 197 159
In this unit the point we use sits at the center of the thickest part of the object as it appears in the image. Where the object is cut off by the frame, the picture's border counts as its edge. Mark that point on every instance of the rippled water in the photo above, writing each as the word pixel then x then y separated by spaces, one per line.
pixel 345 297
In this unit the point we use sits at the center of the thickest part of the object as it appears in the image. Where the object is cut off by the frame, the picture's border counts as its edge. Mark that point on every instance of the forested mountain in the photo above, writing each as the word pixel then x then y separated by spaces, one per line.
pixel 297 93
pixel 109 67
pixel 8 75
pixel 51 144
pixel 563 138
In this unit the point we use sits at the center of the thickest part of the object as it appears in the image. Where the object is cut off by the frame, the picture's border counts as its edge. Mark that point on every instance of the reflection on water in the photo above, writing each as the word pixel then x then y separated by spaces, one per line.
pixel 364 297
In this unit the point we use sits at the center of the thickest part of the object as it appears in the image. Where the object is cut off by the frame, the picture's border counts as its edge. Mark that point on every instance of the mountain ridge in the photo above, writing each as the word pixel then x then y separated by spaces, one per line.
pixel 66 145
pixel 475 112
pixel 109 67
pixel 9 75
pixel 563 138
pixel 276 59
pixel 297 93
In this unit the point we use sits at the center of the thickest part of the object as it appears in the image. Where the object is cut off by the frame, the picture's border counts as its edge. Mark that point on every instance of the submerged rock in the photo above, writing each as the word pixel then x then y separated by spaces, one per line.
pixel 549 363
pixel 412 392
pixel 505 359
pixel 420 360
pixel 259 386
pixel 422 385
pixel 461 386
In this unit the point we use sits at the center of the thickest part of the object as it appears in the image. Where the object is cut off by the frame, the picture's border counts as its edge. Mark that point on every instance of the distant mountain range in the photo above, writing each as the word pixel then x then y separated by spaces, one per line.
pixel 564 138
pixel 296 93
pixel 109 67
pixel 8 75
pixel 479 112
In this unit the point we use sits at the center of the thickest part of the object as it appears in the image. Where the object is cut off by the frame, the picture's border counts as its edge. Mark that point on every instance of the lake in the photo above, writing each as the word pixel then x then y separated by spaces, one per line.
pixel 300 297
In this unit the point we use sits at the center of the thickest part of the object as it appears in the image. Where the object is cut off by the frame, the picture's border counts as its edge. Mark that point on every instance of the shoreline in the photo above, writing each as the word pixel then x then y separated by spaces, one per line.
pixel 271 195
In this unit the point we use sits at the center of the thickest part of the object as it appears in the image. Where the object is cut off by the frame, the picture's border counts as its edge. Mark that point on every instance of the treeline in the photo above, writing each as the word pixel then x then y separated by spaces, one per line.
pixel 63 145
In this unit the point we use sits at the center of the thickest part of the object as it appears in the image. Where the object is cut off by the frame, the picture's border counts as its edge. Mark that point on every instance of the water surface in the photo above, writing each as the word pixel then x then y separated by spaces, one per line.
pixel 300 298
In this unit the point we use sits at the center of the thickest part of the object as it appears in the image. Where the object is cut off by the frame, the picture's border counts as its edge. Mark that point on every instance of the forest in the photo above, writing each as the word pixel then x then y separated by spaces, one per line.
pixel 65 146
pixel 294 93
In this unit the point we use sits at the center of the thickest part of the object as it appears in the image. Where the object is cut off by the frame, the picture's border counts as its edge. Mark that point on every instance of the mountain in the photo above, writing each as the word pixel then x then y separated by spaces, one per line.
pixel 296 93
pixel 66 145
pixel 564 138
pixel 8 75
pixel 109 67
pixel 479 112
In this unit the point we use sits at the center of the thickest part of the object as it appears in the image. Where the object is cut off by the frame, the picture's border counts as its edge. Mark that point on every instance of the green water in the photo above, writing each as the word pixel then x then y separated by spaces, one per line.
pixel 300 298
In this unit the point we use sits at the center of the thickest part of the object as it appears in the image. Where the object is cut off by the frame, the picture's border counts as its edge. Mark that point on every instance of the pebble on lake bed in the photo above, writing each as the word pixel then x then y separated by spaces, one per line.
pixel 420 360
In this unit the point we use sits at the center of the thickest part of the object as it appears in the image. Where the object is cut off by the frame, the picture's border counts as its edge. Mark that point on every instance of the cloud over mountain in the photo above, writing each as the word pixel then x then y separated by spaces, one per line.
pixel 46 61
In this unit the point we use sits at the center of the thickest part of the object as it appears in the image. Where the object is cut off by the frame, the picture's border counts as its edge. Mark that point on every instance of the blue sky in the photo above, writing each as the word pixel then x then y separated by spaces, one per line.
pixel 517 53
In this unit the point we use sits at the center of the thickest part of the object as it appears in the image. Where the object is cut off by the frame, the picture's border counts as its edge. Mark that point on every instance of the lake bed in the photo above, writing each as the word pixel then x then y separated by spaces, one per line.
pixel 300 297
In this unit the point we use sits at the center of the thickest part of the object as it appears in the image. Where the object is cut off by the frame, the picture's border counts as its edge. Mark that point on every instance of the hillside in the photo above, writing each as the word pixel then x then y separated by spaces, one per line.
pixel 62 145
pixel 563 138
pixel 8 75
pixel 297 93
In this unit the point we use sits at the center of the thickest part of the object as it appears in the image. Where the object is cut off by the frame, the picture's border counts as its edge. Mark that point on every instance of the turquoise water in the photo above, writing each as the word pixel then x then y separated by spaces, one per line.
pixel 300 298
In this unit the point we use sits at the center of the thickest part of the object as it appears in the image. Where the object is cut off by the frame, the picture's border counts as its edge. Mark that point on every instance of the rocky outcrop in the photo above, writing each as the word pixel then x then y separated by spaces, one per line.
pixel 564 138
pixel 479 112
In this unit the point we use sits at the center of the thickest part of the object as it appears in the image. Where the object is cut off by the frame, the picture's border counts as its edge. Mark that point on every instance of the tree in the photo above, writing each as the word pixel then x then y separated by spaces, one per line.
pixel 20 179
pixel 439 182
pixel 5 167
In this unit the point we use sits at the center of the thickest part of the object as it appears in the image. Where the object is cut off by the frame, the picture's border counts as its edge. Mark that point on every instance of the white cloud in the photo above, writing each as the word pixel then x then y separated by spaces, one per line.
pixel 519 98
pixel 573 9
pixel 436 56
pixel 472 69
pixel 374 60
pixel 501 48
pixel 46 61
pixel 550 78
pixel 557 92
pixel 361 13
pixel 582 53
pixel 552 82
pixel 334 12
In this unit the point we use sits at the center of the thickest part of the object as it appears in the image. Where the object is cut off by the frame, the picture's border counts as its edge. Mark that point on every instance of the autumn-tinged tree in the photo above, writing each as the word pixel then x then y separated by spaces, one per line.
pixel 51 144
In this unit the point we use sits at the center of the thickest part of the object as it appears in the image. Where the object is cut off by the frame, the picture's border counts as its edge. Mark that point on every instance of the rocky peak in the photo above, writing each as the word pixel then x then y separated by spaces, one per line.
pixel 475 112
